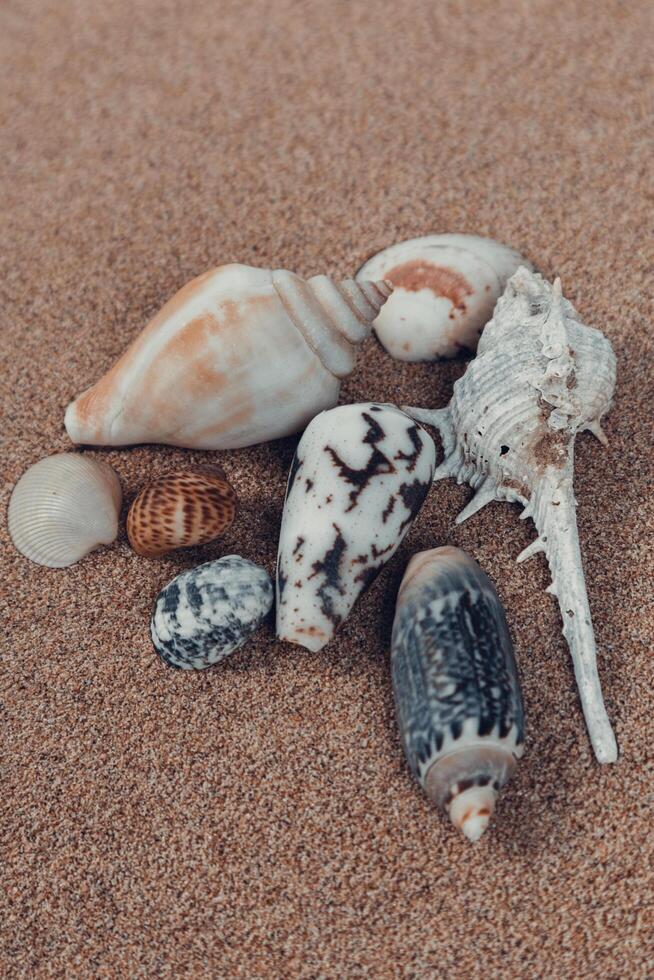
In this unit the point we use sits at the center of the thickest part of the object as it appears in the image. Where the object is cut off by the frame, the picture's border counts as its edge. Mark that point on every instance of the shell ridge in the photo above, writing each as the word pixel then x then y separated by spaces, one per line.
pixel 342 316
pixel 365 311
pixel 63 507
pixel 305 311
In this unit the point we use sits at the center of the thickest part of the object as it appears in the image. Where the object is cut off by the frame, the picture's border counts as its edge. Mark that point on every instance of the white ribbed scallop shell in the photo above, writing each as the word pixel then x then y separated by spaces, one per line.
pixel 540 376
pixel 445 289
pixel 62 508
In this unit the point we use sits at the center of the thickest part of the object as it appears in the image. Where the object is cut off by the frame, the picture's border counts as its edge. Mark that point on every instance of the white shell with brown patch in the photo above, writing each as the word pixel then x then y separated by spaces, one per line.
pixel 237 357
pixel 445 289
pixel 540 376
pixel 358 479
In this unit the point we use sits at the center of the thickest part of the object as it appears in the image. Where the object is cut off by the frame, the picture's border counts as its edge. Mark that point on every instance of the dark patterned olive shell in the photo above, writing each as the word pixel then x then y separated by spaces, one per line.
pixel 180 510
pixel 454 672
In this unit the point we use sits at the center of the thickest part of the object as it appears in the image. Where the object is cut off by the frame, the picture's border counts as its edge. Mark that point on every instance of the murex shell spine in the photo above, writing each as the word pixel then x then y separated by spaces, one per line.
pixel 540 376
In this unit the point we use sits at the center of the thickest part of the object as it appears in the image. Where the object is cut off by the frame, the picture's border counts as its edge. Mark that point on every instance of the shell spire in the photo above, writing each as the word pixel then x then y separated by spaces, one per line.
pixel 553 335
pixel 540 377
pixel 556 383
pixel 333 317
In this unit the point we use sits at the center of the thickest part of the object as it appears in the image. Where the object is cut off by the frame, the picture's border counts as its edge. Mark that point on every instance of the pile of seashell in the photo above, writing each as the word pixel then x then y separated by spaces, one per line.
pixel 357 482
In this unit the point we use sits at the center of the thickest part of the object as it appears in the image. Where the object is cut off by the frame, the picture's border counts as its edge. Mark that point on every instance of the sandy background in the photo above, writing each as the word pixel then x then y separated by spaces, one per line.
pixel 258 820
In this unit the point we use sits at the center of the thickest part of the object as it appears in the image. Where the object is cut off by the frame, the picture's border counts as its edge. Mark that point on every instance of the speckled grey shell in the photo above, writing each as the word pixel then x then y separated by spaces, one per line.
pixel 454 672
pixel 210 611
pixel 359 477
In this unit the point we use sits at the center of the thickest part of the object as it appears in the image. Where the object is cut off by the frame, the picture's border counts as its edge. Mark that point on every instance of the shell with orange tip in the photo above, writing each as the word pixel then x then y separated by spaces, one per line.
pixel 239 356
pixel 181 510
pixel 456 686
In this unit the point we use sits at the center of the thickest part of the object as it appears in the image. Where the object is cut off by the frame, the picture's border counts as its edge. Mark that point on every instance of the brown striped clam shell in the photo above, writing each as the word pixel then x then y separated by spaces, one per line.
pixel 179 510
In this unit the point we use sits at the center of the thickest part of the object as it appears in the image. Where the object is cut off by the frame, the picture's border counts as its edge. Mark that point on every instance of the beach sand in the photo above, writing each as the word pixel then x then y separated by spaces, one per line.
pixel 258 819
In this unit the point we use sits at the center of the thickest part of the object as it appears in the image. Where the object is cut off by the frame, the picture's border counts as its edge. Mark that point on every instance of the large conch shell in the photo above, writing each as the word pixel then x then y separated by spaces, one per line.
pixel 358 479
pixel 456 686
pixel 238 356
pixel 540 377
pixel 445 289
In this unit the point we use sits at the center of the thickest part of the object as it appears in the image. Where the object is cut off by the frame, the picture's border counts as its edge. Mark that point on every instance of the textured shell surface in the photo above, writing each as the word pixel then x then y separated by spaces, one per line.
pixel 445 289
pixel 358 479
pixel 63 507
pixel 540 376
pixel 456 686
pixel 208 612
pixel 180 510
pixel 237 357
